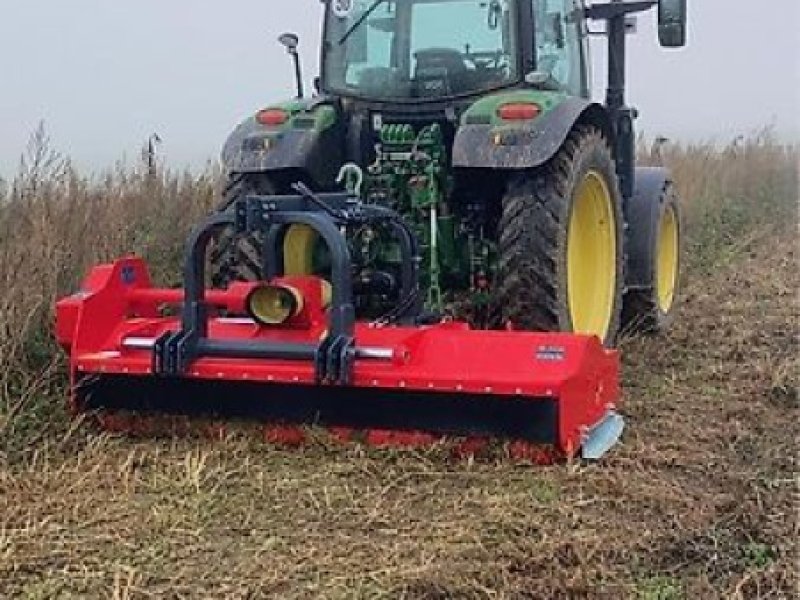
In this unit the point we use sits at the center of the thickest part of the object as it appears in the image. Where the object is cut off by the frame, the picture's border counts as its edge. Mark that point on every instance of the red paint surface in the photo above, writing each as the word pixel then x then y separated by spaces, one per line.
pixel 117 302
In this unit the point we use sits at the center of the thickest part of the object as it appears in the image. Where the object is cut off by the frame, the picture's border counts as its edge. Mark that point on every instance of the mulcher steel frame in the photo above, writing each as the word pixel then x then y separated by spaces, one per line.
pixel 408 383
pixel 326 214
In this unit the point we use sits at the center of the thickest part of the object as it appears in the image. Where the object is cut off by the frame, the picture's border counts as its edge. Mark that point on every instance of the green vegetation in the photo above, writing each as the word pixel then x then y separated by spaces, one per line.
pixel 660 588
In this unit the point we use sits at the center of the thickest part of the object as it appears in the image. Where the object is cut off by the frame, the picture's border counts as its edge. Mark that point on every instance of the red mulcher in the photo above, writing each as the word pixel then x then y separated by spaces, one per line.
pixel 288 351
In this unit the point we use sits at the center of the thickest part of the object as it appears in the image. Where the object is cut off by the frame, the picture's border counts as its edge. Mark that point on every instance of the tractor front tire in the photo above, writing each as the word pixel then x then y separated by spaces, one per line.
pixel 561 236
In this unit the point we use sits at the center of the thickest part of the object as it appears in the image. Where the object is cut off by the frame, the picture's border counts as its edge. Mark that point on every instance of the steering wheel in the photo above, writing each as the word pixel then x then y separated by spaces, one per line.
pixel 486 60
pixel 448 58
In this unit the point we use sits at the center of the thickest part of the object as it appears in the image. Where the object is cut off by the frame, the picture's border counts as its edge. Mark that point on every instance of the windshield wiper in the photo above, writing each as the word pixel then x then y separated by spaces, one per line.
pixel 360 21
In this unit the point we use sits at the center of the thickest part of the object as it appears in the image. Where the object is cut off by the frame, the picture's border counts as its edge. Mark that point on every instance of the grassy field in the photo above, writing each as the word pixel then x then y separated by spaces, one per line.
pixel 700 501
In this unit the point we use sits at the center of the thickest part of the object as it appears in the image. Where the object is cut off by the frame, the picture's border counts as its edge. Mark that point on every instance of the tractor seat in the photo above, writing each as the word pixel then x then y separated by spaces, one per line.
pixel 440 72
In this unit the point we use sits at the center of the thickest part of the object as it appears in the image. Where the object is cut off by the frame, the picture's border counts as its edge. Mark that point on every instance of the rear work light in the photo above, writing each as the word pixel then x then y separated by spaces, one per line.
pixel 519 111
pixel 272 116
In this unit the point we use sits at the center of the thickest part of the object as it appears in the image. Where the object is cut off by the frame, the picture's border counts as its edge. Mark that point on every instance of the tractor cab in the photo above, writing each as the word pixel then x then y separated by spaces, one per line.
pixel 418 50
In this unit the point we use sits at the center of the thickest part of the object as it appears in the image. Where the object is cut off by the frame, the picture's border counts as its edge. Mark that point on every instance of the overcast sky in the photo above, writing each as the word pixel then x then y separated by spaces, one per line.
pixel 105 74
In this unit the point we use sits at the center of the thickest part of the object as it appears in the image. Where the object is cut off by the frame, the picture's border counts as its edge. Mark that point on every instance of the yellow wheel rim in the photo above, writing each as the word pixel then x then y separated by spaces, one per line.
pixel 298 250
pixel 667 266
pixel 592 258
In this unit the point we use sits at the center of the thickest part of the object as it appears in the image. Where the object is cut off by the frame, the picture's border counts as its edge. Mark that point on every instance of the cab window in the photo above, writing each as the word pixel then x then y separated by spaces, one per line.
pixel 559 44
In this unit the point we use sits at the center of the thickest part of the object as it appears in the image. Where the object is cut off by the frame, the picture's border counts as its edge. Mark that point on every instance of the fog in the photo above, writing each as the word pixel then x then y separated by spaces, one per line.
pixel 103 75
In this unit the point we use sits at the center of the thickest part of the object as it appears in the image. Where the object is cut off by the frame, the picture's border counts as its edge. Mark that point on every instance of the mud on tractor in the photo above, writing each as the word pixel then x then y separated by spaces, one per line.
pixel 446 239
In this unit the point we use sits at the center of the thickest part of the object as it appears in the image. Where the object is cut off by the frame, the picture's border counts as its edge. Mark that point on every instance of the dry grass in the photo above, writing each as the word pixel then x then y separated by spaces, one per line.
pixel 54 224
pixel 699 502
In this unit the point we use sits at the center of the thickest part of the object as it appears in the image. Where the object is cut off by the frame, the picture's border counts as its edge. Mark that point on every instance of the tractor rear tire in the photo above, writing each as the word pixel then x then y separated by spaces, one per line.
pixel 561 236
pixel 237 258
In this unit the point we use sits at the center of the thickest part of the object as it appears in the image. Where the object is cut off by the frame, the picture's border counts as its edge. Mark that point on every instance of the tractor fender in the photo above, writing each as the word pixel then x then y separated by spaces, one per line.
pixel 642 217
pixel 302 148
pixel 233 147
pixel 517 146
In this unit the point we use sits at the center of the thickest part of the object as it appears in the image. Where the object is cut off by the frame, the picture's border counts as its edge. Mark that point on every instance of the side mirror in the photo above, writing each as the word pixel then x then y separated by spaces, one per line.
pixel 672 16
pixel 290 41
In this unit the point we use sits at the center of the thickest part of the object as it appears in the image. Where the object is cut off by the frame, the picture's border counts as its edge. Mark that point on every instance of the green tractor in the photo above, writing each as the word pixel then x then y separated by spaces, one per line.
pixel 473 120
